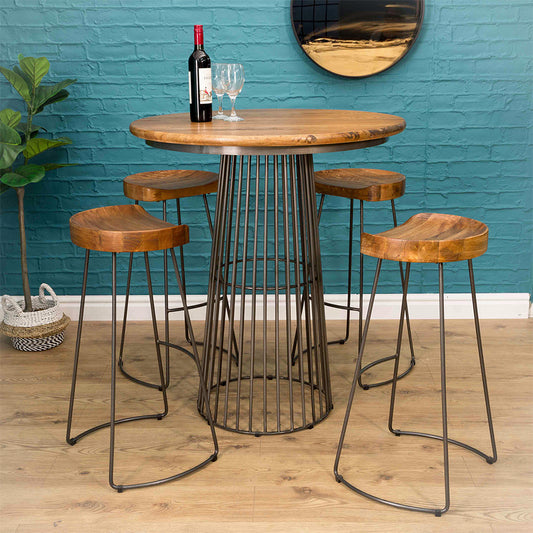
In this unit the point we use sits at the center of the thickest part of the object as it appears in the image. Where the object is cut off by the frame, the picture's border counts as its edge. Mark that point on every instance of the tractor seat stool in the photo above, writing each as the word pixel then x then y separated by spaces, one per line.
pixel 365 185
pixel 424 238
pixel 160 186
pixel 129 228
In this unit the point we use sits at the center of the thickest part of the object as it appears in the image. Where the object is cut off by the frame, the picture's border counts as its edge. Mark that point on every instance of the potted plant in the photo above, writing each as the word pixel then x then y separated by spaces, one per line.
pixel 35 323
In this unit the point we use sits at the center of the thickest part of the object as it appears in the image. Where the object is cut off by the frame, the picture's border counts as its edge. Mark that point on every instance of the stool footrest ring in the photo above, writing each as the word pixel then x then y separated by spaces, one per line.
pixel 487 458
pixel 436 512
pixel 365 386
pixel 211 459
pixel 74 440
pixel 397 432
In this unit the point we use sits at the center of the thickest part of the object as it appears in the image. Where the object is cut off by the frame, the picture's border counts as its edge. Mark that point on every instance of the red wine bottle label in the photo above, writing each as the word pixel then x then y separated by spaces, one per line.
pixel 205 86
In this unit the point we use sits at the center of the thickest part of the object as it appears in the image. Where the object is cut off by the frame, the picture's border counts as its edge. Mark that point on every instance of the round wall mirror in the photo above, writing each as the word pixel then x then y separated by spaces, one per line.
pixel 356 38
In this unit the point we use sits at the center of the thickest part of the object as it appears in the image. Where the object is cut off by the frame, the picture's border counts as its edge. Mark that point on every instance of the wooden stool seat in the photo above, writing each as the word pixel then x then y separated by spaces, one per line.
pixel 367 184
pixel 429 238
pixel 169 184
pixel 125 228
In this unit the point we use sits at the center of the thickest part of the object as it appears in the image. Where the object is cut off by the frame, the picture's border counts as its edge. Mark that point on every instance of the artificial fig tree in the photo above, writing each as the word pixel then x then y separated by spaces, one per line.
pixel 20 141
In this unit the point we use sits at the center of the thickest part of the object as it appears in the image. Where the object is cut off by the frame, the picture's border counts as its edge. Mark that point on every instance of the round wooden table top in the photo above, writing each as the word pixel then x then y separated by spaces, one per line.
pixel 271 128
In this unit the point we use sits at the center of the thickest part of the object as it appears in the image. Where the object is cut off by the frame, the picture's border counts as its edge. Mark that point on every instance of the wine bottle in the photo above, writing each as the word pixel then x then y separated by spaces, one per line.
pixel 200 88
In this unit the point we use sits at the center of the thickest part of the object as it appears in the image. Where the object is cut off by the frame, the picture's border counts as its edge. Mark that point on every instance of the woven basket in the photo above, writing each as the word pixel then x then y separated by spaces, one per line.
pixel 37 330
pixel 45 310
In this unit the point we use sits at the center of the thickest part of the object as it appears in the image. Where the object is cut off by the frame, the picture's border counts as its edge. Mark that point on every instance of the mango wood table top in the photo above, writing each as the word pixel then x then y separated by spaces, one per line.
pixel 307 130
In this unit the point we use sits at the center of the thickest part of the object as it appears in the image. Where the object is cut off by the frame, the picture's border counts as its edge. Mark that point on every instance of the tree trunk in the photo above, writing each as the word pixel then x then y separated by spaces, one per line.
pixel 23 261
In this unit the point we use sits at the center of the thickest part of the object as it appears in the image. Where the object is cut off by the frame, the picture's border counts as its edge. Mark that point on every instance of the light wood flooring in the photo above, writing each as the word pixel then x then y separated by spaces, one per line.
pixel 274 483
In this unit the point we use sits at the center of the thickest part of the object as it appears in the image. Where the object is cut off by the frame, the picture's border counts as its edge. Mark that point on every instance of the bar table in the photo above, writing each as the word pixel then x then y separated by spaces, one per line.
pixel 265 356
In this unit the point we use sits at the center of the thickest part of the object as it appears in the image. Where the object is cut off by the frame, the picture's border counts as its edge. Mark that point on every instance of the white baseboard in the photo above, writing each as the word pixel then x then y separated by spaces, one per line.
pixel 387 306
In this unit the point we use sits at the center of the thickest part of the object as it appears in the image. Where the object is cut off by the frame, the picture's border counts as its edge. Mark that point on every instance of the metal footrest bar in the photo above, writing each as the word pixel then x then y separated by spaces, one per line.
pixel 211 459
pixel 74 440
pixel 127 375
pixel 340 306
pixel 366 386
pixel 147 383
pixel 430 510
pixel 194 306
pixel 487 458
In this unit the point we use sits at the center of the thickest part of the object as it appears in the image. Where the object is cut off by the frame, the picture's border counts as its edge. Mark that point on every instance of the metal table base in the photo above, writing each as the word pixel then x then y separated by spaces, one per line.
pixel 266 265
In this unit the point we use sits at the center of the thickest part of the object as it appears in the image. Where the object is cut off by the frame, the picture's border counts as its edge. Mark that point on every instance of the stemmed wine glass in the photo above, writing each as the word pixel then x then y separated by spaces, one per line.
pixel 234 75
pixel 220 87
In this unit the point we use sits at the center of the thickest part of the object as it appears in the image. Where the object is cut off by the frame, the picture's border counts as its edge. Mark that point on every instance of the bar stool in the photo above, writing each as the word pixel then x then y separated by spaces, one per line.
pixel 424 238
pixel 365 185
pixel 160 186
pixel 129 228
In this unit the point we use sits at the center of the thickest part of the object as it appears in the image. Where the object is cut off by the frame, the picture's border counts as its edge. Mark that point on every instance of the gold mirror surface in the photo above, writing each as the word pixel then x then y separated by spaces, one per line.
pixel 356 38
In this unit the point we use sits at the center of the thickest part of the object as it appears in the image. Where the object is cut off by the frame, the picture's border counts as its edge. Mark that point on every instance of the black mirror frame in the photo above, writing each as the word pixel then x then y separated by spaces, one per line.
pixel 417 33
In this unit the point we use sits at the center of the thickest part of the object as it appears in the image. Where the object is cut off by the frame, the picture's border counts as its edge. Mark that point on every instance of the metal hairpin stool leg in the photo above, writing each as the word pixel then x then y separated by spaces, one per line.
pixel 365 185
pixel 82 231
pixel 166 343
pixel 450 233
pixel 163 185
pixel 348 307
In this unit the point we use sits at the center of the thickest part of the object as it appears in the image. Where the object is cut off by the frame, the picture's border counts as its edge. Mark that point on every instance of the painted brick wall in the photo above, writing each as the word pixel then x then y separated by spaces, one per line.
pixel 464 90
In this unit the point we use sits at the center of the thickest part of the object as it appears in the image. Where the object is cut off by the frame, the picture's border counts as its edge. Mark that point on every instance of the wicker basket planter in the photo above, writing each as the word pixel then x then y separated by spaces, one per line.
pixel 38 330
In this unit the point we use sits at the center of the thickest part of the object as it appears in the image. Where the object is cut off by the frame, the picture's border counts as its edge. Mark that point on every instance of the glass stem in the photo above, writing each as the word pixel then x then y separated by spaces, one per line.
pixel 219 98
pixel 233 98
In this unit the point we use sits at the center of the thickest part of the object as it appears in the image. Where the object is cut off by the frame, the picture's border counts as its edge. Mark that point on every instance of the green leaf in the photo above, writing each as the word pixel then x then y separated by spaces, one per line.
pixel 61 95
pixel 4 188
pixel 53 166
pixel 24 175
pixel 9 117
pixel 8 154
pixel 23 126
pixel 34 68
pixel 34 172
pixel 12 179
pixel 9 135
pixel 22 74
pixel 18 82
pixel 44 95
pixel 38 145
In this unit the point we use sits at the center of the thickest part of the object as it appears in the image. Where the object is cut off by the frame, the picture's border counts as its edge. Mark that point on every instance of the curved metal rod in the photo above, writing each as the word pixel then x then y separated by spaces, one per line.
pixel 365 386
pixel 487 458
pixel 74 440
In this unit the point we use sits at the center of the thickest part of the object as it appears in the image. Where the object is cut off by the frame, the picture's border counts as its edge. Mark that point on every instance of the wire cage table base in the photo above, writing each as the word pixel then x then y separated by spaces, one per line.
pixel 266 292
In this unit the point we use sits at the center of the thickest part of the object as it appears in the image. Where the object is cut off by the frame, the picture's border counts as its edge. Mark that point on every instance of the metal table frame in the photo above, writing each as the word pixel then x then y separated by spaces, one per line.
pixel 265 243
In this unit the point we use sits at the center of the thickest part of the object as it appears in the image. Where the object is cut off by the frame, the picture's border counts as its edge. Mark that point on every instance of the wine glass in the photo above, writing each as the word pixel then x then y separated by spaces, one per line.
pixel 234 74
pixel 220 87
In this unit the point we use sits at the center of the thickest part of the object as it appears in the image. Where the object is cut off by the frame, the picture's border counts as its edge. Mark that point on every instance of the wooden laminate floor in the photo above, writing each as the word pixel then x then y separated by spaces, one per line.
pixel 275 483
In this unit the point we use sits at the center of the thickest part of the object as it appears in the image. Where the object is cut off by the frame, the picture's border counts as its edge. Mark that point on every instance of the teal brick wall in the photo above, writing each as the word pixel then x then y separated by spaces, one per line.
pixel 464 90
